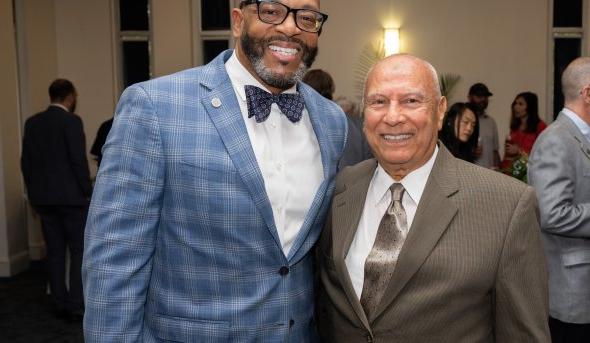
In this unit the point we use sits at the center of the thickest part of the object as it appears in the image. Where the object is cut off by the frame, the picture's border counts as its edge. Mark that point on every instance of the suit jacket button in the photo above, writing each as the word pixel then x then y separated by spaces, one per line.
pixel 284 271
pixel 369 338
pixel 291 323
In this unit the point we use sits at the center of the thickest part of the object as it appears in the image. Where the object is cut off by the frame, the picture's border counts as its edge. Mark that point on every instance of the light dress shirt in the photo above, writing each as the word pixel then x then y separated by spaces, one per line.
pixel 488 133
pixel 582 125
pixel 376 203
pixel 288 155
pixel 60 106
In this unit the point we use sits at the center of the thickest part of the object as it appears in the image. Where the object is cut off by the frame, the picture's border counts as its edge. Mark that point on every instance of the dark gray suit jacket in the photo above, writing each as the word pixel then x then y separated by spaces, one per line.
pixel 472 267
pixel 559 169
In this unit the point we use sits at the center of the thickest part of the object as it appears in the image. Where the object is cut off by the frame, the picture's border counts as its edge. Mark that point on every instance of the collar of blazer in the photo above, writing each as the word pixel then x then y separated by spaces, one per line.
pixel 433 216
pixel 575 132
pixel 219 100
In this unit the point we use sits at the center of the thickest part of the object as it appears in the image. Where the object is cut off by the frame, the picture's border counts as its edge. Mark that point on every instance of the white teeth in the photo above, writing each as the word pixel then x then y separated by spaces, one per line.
pixel 284 51
pixel 397 137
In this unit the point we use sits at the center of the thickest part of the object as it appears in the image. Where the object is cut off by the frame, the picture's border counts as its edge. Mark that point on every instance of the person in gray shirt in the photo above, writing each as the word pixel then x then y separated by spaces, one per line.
pixel 488 146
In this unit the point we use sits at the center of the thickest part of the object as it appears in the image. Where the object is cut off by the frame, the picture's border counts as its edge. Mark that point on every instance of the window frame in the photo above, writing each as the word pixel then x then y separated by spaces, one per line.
pixel 201 35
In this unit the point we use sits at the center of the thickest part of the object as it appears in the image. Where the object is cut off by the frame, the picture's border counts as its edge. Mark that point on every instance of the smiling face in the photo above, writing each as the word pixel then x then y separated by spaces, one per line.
pixel 464 125
pixel 403 113
pixel 276 55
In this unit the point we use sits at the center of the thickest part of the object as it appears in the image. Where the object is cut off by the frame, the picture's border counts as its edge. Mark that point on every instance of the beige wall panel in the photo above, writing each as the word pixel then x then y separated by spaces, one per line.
pixel 171 32
pixel 13 239
pixel 84 31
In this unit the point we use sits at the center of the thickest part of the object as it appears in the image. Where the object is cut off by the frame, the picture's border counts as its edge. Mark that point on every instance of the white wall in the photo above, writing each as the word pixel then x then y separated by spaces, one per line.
pixel 502 43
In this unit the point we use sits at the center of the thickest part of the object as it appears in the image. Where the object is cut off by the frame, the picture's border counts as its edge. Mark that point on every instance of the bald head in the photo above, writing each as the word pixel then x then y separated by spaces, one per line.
pixel 575 77
pixel 409 64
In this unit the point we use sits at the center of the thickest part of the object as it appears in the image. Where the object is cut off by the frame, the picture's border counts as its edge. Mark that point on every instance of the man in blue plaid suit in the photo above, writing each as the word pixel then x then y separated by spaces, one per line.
pixel 213 188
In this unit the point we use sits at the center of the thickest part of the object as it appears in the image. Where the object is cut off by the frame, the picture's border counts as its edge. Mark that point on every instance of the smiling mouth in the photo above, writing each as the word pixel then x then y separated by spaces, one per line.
pixel 397 138
pixel 288 52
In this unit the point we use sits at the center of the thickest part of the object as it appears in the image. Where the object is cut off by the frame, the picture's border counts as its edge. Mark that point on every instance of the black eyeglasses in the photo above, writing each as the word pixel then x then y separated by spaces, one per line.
pixel 272 12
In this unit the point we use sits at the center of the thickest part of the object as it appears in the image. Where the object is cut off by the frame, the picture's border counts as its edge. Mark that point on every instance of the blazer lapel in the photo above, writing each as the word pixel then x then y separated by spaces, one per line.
pixel 329 168
pixel 432 218
pixel 346 213
pixel 223 109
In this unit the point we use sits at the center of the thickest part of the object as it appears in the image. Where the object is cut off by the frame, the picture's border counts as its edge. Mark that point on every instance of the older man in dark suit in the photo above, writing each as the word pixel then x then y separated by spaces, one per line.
pixel 420 246
pixel 55 171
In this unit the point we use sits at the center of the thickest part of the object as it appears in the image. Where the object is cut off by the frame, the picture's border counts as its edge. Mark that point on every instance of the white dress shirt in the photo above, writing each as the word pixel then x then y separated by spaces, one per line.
pixel 288 155
pixel 376 203
pixel 582 125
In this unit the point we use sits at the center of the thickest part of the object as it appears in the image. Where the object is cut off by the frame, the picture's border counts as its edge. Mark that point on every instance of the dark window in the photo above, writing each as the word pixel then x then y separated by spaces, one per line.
pixel 567 13
pixel 214 15
pixel 136 62
pixel 565 51
pixel 134 15
pixel 212 48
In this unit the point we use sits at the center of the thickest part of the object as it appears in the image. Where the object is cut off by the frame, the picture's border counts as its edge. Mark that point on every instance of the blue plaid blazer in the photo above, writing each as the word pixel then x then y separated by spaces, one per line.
pixel 181 243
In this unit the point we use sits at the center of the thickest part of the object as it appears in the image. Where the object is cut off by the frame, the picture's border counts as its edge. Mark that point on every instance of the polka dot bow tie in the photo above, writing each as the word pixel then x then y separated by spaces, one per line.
pixel 259 102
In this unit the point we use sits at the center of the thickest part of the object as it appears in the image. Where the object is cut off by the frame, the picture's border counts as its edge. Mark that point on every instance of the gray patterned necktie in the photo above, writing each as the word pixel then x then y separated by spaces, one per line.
pixel 380 263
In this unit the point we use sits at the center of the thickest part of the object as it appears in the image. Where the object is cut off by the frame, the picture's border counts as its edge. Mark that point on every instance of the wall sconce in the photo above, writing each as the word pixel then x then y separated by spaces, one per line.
pixel 391 42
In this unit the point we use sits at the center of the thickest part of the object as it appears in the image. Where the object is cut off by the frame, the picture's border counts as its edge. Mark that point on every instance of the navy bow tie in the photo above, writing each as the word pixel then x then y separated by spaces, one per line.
pixel 259 102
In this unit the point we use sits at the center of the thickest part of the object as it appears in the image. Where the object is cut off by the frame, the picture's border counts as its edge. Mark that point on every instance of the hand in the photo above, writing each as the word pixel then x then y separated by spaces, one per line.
pixel 478 150
pixel 512 149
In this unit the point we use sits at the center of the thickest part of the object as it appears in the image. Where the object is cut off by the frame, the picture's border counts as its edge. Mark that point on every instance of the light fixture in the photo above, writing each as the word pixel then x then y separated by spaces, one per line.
pixel 391 41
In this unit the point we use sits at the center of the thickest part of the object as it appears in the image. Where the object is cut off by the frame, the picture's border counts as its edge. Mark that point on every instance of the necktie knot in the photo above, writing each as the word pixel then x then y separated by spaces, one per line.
pixel 260 101
pixel 397 191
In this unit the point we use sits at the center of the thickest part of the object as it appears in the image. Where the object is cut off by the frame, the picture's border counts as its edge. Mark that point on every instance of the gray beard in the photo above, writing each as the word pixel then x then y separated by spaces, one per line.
pixel 254 50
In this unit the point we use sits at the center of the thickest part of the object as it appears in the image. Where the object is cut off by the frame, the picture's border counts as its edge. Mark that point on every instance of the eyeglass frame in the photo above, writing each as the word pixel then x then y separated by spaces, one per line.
pixel 289 10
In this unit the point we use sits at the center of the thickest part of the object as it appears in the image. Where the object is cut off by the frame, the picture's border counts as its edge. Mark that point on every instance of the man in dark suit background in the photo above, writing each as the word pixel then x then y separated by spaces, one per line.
pixel 55 170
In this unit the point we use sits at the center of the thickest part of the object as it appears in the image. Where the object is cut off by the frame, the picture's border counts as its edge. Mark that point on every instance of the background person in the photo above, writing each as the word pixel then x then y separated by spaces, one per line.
pixel 460 131
pixel 55 170
pixel 559 169
pixel 487 154
pixel 525 127
pixel 356 149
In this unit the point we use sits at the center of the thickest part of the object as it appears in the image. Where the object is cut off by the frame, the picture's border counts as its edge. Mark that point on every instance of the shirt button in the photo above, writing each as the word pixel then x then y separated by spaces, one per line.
pixel 284 271
pixel 273 125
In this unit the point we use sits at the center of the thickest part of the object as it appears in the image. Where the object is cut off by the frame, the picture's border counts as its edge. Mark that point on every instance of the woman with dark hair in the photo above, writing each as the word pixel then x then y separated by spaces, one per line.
pixel 525 127
pixel 460 131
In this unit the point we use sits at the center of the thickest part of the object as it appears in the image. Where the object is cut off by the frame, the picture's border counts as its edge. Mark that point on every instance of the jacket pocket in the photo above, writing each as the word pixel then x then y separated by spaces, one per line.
pixel 177 329
pixel 575 258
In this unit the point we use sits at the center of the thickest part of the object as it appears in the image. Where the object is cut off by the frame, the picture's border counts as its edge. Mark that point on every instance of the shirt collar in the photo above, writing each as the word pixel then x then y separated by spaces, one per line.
pixel 414 183
pixel 582 125
pixel 60 106
pixel 240 77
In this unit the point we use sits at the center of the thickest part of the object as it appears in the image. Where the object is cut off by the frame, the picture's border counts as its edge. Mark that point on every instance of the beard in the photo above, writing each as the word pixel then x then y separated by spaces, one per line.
pixel 73 106
pixel 254 50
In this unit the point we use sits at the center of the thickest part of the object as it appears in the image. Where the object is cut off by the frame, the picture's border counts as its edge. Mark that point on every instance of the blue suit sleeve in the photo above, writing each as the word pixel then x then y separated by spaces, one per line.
pixel 122 223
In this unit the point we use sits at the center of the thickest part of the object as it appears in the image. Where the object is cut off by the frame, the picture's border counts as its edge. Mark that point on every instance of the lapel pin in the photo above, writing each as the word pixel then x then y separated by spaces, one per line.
pixel 216 102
